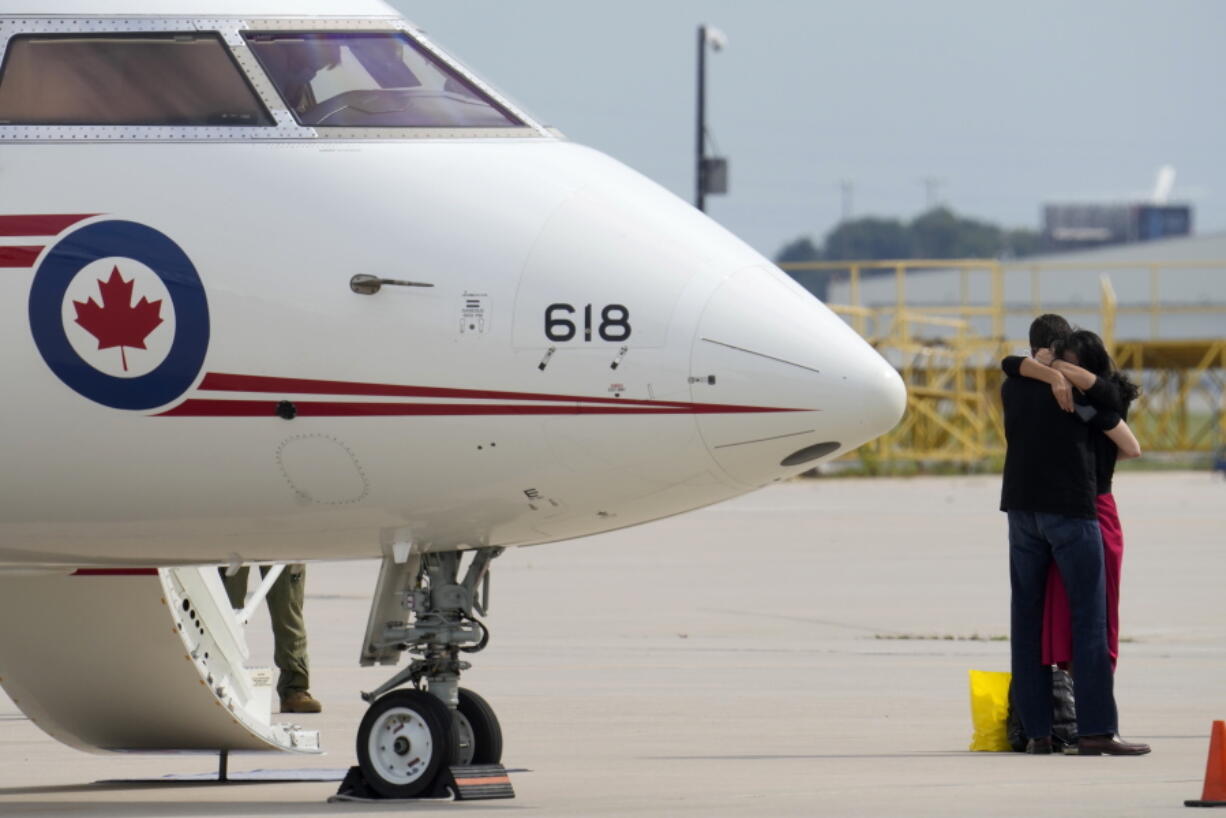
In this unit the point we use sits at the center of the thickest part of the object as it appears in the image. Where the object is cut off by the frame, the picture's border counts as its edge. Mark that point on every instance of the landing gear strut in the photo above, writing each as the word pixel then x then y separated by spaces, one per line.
pixel 409 738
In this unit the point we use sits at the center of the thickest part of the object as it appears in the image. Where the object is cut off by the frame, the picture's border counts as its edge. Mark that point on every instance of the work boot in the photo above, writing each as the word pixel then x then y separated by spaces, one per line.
pixel 300 701
pixel 1039 746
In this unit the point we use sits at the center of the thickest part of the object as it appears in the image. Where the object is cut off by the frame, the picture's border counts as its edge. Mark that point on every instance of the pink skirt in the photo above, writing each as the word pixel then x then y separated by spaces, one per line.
pixel 1057 627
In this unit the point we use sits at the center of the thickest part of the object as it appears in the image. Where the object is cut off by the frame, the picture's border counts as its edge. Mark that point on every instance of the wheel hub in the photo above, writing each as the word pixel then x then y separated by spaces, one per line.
pixel 467 740
pixel 401 745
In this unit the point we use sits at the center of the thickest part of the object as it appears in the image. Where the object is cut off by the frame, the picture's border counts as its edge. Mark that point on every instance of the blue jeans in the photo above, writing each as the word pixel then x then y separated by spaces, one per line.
pixel 1035 539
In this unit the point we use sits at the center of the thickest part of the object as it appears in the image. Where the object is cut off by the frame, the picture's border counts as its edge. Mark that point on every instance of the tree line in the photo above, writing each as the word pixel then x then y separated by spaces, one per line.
pixel 936 234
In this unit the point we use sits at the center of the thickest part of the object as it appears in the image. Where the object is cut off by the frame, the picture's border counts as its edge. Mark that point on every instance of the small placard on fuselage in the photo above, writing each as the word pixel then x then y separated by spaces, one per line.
pixel 474 314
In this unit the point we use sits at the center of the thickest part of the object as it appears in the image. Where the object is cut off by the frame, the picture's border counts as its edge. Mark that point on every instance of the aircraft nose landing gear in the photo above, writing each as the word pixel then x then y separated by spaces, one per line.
pixel 426 740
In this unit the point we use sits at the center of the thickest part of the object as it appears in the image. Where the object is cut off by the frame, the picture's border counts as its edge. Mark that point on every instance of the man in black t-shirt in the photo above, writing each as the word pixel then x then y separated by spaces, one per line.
pixel 1048 492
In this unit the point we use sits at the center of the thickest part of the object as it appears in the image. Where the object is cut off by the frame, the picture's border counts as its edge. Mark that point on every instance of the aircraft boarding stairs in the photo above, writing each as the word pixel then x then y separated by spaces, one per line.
pixel 139 660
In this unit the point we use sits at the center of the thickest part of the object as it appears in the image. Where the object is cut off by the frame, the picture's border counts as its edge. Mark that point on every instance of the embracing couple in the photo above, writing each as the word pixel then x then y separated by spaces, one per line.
pixel 1065 427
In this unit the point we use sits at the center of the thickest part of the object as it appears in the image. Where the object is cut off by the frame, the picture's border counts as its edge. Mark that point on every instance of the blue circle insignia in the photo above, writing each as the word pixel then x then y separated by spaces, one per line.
pixel 122 240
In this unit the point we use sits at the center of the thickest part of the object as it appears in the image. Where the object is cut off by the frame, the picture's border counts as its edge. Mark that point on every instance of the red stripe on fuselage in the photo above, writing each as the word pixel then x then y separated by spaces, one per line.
pixel 218 382
pixel 12 257
pixel 39 225
pixel 266 408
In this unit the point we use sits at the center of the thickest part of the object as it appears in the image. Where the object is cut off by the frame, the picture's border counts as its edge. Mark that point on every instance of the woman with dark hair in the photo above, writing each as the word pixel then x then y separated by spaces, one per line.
pixel 1104 395
pixel 1083 359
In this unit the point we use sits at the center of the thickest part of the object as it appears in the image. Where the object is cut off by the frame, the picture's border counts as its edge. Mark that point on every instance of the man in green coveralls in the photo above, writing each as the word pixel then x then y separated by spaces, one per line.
pixel 288 632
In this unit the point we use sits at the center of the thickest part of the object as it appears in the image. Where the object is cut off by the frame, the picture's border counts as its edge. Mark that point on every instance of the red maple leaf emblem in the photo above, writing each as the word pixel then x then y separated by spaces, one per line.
pixel 116 322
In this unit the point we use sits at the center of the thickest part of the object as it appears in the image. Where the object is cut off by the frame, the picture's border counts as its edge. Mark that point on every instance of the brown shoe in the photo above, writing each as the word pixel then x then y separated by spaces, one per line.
pixel 1109 746
pixel 300 701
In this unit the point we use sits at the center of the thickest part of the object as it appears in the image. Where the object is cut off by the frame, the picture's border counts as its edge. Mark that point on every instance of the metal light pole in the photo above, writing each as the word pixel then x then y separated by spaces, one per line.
pixel 700 195
pixel 706 170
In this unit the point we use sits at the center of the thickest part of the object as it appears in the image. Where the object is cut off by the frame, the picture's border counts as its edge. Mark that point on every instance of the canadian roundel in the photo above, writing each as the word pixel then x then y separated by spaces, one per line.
pixel 119 314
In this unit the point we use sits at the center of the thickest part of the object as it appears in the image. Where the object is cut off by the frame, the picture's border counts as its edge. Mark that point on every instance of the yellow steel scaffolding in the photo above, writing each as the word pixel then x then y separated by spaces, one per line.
pixel 949 353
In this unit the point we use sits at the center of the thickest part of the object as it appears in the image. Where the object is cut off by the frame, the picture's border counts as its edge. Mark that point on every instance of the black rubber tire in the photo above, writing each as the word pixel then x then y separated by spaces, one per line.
pixel 487 733
pixel 444 740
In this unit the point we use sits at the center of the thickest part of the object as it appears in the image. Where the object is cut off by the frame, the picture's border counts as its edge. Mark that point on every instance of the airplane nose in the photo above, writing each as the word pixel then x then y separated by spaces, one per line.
pixel 797 384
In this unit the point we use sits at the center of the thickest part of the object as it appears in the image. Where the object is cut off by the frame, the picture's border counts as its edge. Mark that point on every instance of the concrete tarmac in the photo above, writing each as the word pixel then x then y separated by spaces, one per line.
pixel 799 651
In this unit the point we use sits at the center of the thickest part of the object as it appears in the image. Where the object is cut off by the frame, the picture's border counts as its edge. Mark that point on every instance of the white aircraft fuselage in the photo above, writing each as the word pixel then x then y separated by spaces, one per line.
pixel 191 378
pixel 281 281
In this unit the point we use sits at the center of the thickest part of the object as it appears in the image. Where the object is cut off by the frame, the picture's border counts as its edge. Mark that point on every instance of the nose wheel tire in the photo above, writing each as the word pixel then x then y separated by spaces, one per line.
pixel 404 741
pixel 480 733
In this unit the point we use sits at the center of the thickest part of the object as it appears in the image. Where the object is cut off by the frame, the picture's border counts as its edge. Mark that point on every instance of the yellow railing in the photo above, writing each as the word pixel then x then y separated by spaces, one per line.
pixel 995 307
pixel 948 350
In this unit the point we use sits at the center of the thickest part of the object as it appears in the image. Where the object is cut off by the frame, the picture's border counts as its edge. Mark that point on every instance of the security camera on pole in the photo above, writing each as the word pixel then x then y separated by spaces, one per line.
pixel 711 173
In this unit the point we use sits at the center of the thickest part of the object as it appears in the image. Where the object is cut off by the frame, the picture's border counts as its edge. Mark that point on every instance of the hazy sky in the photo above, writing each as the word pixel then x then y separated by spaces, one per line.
pixel 1008 105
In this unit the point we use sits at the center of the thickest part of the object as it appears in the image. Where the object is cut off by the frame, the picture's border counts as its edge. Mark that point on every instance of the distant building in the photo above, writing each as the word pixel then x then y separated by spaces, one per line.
pixel 1077 226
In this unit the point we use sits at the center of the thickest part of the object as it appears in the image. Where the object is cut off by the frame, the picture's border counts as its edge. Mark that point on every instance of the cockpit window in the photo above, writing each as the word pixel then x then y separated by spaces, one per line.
pixel 371 79
pixel 125 79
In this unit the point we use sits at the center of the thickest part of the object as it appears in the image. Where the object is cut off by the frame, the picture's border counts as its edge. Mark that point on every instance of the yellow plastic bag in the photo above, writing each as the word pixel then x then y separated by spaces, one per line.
pixel 990 711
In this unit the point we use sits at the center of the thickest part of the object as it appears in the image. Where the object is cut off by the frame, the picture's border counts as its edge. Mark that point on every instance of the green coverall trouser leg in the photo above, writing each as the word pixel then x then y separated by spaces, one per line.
pixel 288 628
